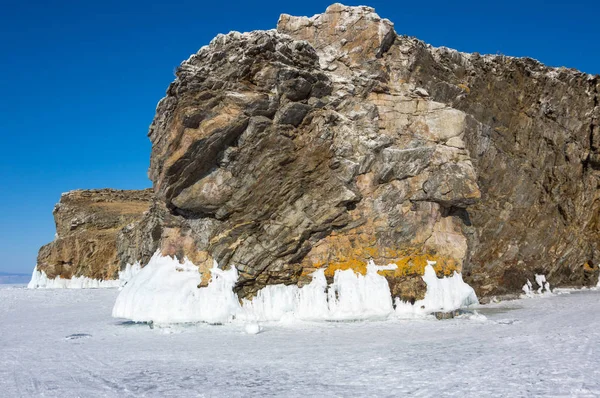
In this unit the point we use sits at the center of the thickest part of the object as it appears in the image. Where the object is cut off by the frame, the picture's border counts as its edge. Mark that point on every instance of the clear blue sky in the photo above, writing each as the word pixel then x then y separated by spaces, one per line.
pixel 80 81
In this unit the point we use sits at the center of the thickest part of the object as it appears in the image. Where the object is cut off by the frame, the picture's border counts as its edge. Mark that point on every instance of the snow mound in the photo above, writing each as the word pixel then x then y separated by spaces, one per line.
pixel 166 291
pixel 445 294
pixel 39 280
pixel 252 328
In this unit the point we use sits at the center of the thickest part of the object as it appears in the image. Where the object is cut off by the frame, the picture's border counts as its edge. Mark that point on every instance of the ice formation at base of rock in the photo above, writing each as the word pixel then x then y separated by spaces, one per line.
pixel 166 291
pixel 350 296
pixel 39 280
pixel 540 280
pixel 129 272
pixel 445 294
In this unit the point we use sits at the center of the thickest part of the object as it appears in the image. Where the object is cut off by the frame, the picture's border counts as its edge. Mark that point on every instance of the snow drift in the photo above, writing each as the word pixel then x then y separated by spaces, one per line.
pixel 166 291
pixel 39 280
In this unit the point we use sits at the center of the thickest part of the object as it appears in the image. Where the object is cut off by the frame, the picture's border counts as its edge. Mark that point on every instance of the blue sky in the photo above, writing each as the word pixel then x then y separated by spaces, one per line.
pixel 80 81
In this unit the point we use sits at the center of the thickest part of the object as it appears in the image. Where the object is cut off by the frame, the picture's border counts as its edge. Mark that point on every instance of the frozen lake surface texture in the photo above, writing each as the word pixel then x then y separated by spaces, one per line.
pixel 64 343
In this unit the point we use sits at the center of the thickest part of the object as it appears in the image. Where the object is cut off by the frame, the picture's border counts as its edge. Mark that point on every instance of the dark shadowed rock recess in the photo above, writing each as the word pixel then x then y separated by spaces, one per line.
pixel 332 140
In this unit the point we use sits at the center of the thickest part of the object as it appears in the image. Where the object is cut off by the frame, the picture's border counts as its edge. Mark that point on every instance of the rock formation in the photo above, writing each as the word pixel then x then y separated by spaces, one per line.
pixel 332 140
pixel 87 225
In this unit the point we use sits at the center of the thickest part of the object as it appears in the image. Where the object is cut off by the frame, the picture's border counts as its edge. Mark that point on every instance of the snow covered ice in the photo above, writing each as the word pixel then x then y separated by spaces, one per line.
pixel 524 348
pixel 64 342
pixel 165 291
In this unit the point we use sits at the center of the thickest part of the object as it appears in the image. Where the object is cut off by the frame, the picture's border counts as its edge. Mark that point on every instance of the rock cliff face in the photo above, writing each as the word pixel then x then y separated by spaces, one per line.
pixel 279 161
pixel 87 225
pixel 332 140
pixel 534 137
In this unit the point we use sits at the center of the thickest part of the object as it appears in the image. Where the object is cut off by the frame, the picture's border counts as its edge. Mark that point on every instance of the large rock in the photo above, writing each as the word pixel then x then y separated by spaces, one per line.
pixel 332 140
pixel 280 156
pixel 533 133
pixel 87 224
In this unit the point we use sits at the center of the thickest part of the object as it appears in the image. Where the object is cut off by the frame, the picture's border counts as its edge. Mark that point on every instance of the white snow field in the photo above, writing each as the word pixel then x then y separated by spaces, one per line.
pixel 64 343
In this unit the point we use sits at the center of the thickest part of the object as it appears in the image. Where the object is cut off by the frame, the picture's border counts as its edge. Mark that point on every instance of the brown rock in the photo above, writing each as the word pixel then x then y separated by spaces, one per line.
pixel 87 224
pixel 332 141
pixel 334 174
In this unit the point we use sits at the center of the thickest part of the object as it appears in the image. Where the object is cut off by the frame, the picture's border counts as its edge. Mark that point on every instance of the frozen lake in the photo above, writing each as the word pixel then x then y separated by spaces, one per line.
pixel 64 343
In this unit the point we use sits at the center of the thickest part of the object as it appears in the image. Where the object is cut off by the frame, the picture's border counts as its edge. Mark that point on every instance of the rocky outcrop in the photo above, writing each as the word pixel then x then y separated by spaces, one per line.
pixel 331 141
pixel 87 225
pixel 532 135
pixel 279 162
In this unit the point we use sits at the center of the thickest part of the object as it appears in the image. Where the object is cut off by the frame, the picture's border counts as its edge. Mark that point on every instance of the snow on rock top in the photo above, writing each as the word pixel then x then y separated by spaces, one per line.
pixel 166 291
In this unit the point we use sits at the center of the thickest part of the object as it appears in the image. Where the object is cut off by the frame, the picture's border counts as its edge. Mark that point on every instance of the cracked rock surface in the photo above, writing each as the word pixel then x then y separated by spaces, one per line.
pixel 332 140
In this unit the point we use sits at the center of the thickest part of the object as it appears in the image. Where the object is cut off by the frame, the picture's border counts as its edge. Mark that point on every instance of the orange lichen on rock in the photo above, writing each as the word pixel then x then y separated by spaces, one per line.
pixel 587 267
pixel 408 264
pixel 464 87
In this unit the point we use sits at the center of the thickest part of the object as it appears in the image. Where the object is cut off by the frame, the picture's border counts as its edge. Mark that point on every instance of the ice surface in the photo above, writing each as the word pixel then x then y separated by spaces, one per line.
pixel 525 348
pixel 39 280
pixel 166 291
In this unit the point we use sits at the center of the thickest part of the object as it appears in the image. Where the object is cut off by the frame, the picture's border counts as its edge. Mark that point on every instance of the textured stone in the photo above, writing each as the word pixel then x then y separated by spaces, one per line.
pixel 531 133
pixel 332 140
pixel 87 224
pixel 336 173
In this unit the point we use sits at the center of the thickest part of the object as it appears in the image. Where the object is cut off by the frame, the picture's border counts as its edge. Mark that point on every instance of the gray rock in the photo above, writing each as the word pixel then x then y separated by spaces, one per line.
pixel 293 113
